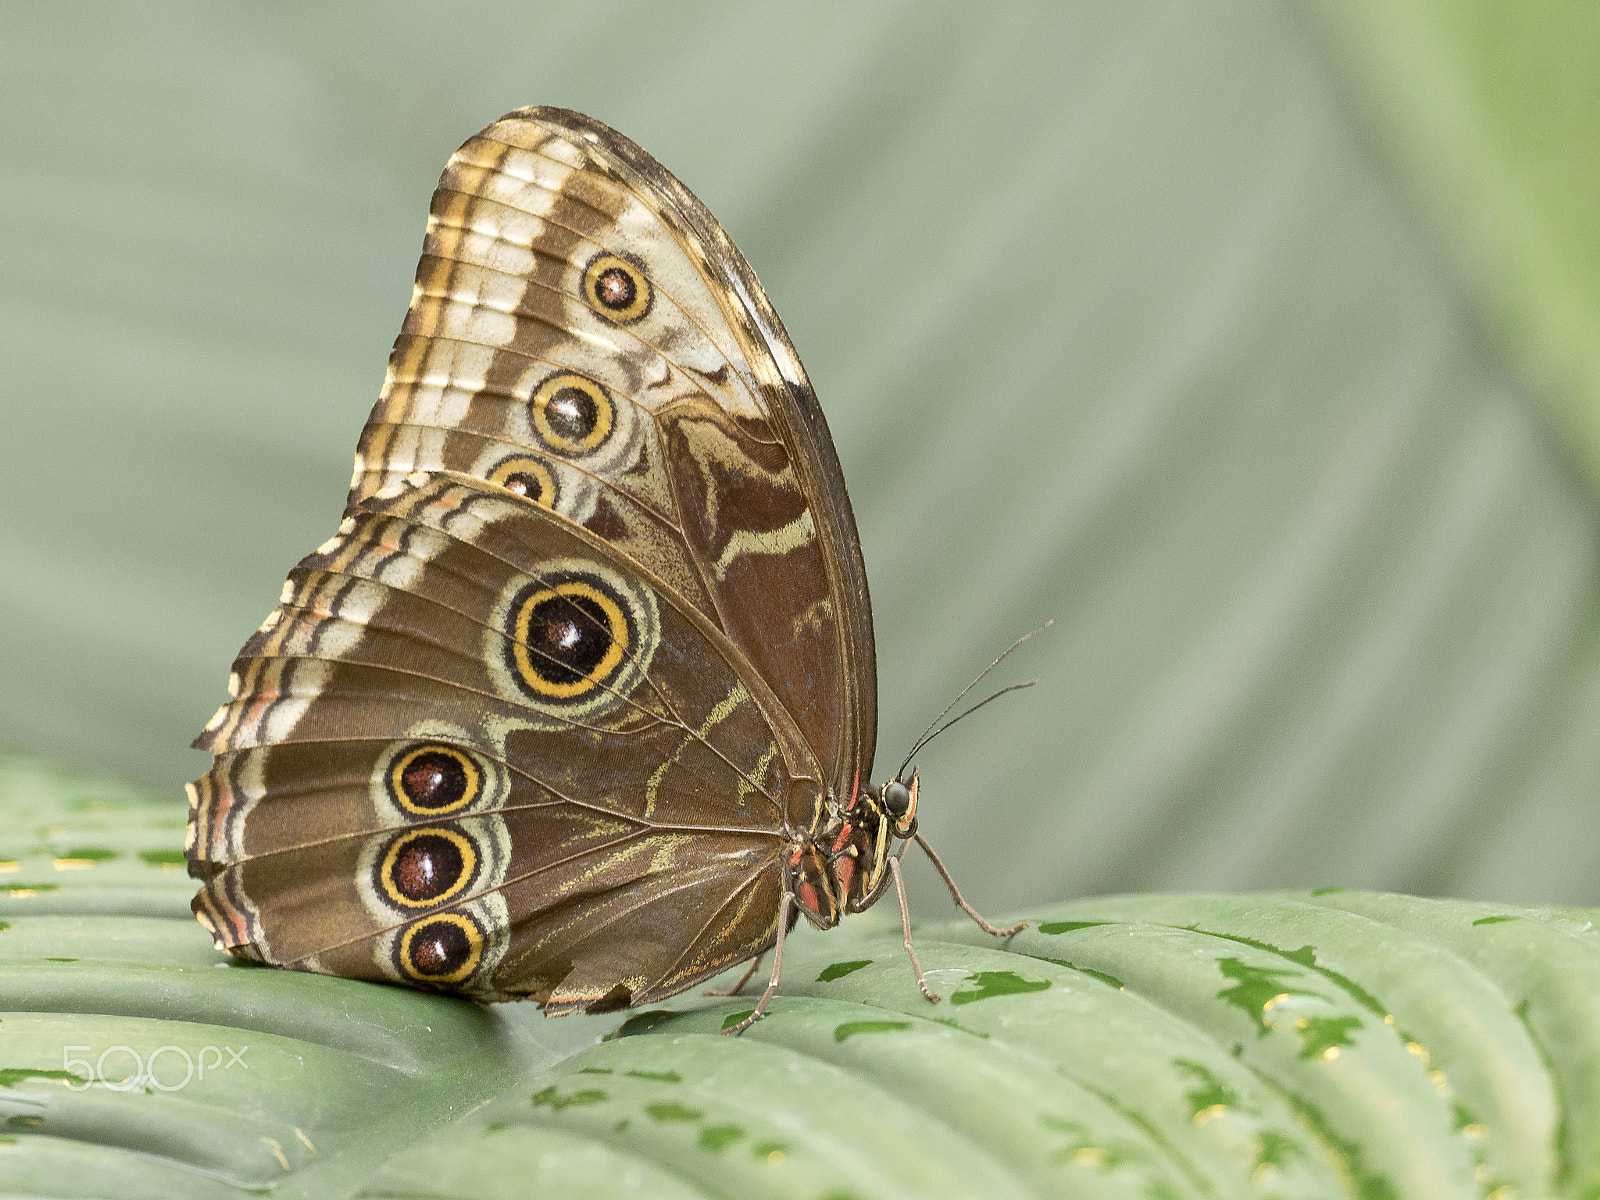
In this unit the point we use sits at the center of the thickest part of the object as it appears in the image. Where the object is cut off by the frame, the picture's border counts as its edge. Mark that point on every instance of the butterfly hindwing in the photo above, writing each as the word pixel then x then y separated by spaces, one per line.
pixel 470 748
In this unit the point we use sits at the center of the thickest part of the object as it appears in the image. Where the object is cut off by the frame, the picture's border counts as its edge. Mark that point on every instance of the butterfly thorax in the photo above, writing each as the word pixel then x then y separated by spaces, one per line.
pixel 844 867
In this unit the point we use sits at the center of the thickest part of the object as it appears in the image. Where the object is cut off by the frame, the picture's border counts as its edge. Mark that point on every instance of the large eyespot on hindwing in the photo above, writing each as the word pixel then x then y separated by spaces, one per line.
pixel 432 780
pixel 573 640
pixel 432 888
pixel 438 773
pixel 572 414
pixel 444 950
pixel 427 867
pixel 528 477
pixel 617 289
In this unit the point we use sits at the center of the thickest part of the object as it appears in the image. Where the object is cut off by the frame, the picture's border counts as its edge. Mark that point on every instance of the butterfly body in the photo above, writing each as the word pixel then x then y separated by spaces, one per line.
pixel 577 703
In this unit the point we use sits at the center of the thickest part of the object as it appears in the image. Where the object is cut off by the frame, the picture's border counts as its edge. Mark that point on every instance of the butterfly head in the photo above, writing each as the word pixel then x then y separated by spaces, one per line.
pixel 897 799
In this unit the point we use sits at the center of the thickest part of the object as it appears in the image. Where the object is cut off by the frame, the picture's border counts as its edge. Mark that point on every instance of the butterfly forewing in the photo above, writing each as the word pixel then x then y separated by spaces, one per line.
pixel 583 330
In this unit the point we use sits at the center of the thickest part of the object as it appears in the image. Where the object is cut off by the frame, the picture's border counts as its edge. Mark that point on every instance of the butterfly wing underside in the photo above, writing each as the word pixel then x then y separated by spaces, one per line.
pixel 594 635
pixel 579 318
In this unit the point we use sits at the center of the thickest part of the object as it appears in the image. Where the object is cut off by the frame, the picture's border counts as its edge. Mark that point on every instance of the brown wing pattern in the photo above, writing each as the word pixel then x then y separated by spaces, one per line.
pixel 584 332
pixel 472 749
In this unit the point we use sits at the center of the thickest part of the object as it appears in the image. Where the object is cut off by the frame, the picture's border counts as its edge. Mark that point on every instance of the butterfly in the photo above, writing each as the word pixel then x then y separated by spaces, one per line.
pixel 579 704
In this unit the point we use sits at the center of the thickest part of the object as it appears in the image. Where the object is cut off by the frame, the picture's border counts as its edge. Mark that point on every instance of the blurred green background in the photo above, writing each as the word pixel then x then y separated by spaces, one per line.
pixel 1257 345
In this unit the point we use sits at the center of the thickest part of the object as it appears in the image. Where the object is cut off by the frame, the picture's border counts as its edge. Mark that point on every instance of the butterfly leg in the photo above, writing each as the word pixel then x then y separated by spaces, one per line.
pixel 784 907
pixel 905 926
pixel 955 894
pixel 755 965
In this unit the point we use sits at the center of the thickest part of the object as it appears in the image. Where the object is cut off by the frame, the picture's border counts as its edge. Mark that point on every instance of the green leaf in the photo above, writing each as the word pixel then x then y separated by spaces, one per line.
pixel 1158 1045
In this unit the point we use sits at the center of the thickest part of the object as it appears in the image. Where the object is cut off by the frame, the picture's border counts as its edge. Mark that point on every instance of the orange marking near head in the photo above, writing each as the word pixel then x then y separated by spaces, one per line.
pixel 844 873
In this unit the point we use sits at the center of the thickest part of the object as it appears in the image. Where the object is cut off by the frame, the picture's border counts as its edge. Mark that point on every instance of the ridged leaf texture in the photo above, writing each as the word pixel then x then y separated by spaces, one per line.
pixel 1293 1044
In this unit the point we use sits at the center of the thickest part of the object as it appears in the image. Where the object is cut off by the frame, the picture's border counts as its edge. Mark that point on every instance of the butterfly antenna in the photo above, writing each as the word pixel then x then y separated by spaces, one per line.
pixel 931 732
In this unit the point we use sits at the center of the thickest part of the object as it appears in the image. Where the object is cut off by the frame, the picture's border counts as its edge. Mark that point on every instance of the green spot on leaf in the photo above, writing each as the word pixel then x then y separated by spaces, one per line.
pixel 668 1111
pixel 1069 926
pixel 1255 989
pixel 92 853
pixel 552 1097
pixel 1326 891
pixel 732 1019
pixel 851 1028
pixel 1368 1186
pixel 717 1138
pixel 839 970
pixel 658 1076
pixel 596 1071
pixel 14 888
pixel 767 1149
pixel 643 1023
pixel 162 858
pixel 1209 1090
pixel 1493 920
pixel 1105 978
pixel 11 1076
pixel 1317 1034
pixel 996 983
pixel 1306 956
pixel 1275 1149
pixel 61 960
pixel 24 1122
pixel 958 1027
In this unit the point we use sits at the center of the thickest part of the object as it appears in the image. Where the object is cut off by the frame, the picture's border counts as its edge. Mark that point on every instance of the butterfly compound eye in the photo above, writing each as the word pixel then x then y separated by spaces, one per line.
pixel 896 798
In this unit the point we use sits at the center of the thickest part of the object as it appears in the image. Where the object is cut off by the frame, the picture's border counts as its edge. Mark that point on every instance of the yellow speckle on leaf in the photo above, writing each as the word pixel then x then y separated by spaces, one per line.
pixel 277 1152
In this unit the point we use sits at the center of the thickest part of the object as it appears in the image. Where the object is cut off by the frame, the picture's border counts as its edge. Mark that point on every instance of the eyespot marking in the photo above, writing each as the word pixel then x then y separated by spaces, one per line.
pixel 617 288
pixel 432 779
pixel 567 638
pixel 423 868
pixel 530 478
pixel 440 949
pixel 572 414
